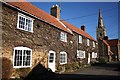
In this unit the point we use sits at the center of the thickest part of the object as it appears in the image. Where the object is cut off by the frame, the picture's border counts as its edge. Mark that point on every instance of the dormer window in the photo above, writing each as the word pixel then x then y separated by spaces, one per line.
pixel 63 37
pixel 25 23
pixel 80 39
pixel 88 42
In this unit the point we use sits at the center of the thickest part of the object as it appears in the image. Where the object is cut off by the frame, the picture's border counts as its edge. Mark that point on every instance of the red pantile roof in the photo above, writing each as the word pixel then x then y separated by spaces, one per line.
pixel 31 9
pixel 77 30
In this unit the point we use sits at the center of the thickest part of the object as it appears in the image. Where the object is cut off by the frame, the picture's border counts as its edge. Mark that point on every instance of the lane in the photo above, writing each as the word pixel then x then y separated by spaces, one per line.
pixel 109 71
pixel 98 71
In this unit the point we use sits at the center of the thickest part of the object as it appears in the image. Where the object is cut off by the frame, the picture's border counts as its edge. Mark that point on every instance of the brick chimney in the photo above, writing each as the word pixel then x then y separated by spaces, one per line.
pixel 55 11
pixel 83 27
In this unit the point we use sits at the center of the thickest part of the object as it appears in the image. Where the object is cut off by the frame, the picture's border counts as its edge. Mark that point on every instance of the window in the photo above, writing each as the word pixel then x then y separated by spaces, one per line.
pixel 63 58
pixel 94 55
pixel 80 39
pixel 63 37
pixel 51 56
pixel 80 54
pixel 93 44
pixel 88 42
pixel 22 57
pixel 25 23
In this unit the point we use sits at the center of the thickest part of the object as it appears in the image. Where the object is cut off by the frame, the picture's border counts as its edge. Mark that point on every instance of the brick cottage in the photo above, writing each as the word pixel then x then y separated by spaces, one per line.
pixel 31 36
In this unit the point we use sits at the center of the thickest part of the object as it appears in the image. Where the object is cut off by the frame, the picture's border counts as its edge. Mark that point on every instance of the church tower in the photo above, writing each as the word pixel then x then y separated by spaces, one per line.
pixel 101 30
pixel 101 34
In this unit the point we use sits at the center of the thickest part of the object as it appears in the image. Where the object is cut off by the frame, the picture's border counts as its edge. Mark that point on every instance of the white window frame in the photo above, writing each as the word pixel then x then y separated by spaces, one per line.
pixel 25 26
pixel 63 36
pixel 80 54
pixel 88 42
pixel 94 55
pixel 93 44
pixel 22 48
pixel 80 39
pixel 65 62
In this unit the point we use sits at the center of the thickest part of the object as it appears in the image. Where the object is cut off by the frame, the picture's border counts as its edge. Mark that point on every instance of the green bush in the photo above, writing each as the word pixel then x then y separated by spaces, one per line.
pixel 102 60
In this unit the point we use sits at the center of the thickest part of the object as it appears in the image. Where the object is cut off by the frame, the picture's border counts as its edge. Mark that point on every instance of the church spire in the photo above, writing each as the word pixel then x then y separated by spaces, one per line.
pixel 100 20
pixel 101 30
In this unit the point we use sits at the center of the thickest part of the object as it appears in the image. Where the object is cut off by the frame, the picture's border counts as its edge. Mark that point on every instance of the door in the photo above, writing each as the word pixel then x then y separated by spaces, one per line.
pixel 88 58
pixel 51 60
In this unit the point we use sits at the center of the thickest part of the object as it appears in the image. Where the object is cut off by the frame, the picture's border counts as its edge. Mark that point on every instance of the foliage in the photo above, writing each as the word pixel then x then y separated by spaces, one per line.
pixel 102 60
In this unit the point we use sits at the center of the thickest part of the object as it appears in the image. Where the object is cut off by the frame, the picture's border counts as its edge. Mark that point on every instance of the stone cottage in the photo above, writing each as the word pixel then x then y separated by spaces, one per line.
pixel 31 36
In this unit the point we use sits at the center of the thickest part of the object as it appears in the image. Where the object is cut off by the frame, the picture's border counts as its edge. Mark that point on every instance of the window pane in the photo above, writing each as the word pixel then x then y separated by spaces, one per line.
pixel 21 22
pixel 18 58
pixel 26 58
pixel 51 57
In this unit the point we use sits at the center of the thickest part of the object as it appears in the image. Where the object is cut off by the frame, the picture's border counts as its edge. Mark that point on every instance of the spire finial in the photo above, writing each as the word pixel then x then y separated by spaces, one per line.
pixel 100 20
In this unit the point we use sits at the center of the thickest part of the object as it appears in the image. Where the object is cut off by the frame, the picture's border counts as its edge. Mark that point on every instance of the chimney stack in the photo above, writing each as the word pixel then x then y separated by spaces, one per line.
pixel 83 27
pixel 55 11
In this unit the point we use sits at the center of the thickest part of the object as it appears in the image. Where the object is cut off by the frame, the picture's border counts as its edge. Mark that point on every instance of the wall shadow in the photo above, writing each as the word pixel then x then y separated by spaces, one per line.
pixel 39 72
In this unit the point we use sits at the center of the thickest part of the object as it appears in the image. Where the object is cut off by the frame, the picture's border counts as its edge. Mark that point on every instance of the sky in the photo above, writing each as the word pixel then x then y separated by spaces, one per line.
pixel 79 13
